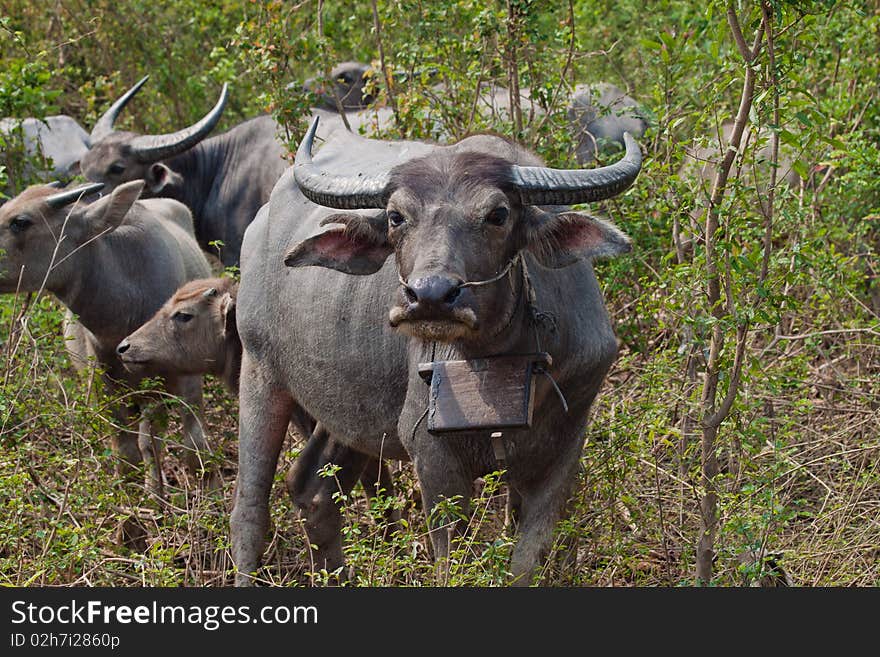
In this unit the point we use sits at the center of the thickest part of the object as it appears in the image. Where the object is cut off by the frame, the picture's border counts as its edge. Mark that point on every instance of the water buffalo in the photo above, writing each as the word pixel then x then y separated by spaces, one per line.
pixel 195 333
pixel 600 114
pixel 342 340
pixel 223 180
pixel 50 147
pixel 112 263
pixel 346 83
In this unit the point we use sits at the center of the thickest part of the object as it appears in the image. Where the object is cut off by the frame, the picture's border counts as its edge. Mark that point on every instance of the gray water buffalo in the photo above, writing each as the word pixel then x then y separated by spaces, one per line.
pixel 195 333
pixel 600 114
pixel 223 180
pixel 46 149
pixel 346 83
pixel 484 244
pixel 112 262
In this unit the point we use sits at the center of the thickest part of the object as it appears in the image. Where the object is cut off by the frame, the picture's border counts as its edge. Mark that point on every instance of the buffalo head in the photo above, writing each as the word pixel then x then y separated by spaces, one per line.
pixel 188 334
pixel 117 156
pixel 41 227
pixel 346 82
pixel 457 220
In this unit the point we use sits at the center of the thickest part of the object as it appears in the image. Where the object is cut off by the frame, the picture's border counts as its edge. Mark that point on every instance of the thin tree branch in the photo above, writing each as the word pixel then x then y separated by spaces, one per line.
pixel 326 66
pixel 389 83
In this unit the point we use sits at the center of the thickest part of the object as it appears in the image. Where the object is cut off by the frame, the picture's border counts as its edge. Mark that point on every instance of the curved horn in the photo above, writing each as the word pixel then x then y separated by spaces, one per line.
pixel 69 196
pixel 152 148
pixel 343 192
pixel 545 186
pixel 104 126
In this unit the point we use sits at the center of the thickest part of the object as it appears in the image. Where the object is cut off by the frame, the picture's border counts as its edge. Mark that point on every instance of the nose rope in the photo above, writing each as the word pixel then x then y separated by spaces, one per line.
pixel 488 281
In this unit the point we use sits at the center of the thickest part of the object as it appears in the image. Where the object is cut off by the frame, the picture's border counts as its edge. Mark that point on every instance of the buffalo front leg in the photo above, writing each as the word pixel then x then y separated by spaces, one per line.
pixel 195 445
pixel 264 412
pixel 125 441
pixel 541 507
pixel 150 449
pixel 446 492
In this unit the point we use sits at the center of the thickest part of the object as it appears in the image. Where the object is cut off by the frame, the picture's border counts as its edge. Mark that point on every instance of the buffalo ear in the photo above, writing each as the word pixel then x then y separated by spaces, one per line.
pixel 107 214
pixel 559 240
pixel 351 243
pixel 227 311
pixel 161 179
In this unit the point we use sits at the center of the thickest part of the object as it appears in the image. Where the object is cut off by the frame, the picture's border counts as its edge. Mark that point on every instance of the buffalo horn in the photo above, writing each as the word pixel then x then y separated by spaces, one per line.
pixel 545 186
pixel 343 192
pixel 104 126
pixel 152 148
pixel 70 195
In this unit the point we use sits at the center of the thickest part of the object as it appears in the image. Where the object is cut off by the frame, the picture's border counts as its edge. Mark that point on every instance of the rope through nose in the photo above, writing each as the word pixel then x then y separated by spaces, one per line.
pixel 488 281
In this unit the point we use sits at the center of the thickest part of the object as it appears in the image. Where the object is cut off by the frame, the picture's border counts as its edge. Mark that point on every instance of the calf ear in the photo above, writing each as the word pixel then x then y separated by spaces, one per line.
pixel 351 243
pixel 559 240
pixel 107 214
pixel 161 179
pixel 227 311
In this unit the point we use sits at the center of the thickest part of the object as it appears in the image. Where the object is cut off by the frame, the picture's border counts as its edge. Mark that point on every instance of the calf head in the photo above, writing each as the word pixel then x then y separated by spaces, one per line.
pixel 115 156
pixel 41 228
pixel 187 335
pixel 453 219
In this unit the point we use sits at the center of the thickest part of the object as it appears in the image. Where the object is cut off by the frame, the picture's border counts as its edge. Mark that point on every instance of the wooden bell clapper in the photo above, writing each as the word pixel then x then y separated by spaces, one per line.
pixel 491 394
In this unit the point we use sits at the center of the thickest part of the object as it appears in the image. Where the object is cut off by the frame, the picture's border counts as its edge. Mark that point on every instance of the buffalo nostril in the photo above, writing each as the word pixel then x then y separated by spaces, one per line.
pixel 122 348
pixel 452 295
pixel 433 291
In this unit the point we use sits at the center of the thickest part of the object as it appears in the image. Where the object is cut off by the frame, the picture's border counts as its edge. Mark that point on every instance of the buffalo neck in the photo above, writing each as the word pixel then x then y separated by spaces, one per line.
pixel 200 166
pixel 96 284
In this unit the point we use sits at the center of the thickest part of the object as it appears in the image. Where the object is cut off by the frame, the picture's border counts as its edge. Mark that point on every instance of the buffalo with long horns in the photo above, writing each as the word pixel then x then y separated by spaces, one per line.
pixel 112 262
pixel 484 243
pixel 223 180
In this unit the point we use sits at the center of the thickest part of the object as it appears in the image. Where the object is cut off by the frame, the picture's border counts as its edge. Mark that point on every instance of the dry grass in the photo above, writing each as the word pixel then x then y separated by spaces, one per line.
pixel 801 480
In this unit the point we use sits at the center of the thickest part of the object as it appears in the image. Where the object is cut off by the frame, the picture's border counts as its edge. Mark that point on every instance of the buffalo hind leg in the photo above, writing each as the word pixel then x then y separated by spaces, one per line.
pixel 264 413
pixel 314 494
pixel 376 480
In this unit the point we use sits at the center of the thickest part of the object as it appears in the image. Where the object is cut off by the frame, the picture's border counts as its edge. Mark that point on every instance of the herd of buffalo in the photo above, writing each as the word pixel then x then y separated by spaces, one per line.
pixel 360 263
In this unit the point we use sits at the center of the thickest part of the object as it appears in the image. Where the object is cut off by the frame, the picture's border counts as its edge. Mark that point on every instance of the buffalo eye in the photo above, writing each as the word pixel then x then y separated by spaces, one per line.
pixel 116 168
pixel 20 224
pixel 181 317
pixel 396 219
pixel 498 216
